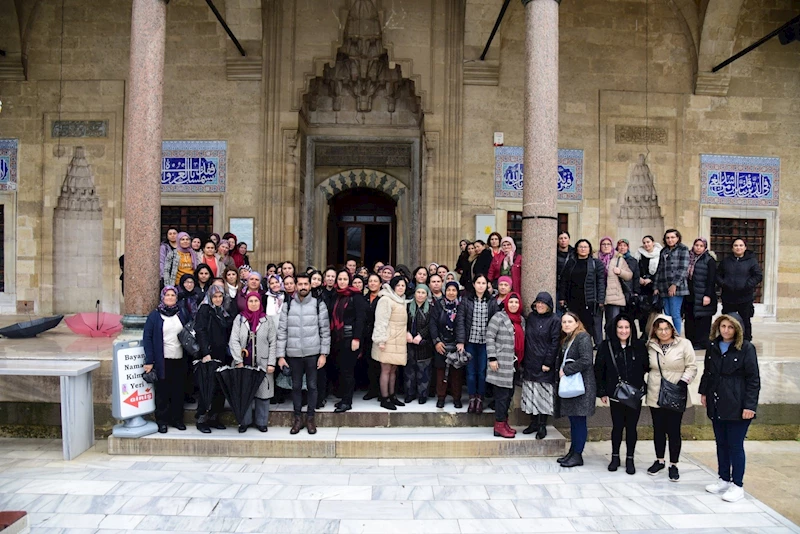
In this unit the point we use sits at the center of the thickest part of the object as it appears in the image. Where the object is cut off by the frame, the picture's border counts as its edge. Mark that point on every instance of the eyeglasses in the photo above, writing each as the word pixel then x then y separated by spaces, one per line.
pixel 665 329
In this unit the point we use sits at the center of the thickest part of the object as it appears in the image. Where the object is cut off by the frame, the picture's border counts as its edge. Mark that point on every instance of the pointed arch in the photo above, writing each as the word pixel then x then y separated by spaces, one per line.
pixel 717 39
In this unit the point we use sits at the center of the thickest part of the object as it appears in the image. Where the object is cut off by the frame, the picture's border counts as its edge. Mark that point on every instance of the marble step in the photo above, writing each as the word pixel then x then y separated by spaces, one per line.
pixel 342 442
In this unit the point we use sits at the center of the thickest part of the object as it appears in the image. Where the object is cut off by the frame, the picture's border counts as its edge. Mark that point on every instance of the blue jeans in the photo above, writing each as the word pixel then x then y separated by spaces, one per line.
pixel 578 432
pixel 730 449
pixel 672 307
pixel 476 369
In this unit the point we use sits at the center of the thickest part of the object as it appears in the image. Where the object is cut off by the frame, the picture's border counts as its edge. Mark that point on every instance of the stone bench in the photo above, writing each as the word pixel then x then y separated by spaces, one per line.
pixel 77 408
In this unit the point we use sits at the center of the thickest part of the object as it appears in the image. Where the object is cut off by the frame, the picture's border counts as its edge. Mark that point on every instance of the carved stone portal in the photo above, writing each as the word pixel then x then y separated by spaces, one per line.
pixel 639 212
pixel 362 87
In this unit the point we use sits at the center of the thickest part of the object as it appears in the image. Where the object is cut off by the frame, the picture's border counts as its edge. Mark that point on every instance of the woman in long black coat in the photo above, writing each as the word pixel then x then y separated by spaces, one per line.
pixel 738 275
pixel 622 357
pixel 701 304
pixel 417 372
pixel 212 325
pixel 729 390
pixel 582 288
pixel 542 330
pixel 443 334
pixel 372 297
pixel 347 330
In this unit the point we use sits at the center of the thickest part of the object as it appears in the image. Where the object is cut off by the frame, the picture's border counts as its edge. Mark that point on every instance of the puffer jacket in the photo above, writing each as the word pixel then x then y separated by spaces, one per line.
pixel 738 278
pixel 466 309
pixel 390 328
pixel 303 329
pixel 264 350
pixel 731 381
pixel 616 294
pixel 673 269
pixel 679 363
pixel 541 343
pixel 500 348
pixel 594 288
pixel 703 284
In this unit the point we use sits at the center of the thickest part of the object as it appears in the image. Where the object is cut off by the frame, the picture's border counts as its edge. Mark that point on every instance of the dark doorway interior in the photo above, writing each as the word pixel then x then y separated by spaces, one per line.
pixel 362 227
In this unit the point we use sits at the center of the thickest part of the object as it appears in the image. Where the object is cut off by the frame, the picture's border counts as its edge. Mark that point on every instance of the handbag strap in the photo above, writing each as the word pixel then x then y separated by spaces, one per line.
pixel 614 360
pixel 565 353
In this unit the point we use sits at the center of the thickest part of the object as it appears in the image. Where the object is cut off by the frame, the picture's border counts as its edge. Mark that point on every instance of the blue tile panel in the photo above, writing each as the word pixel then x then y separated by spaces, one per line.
pixel 509 173
pixel 194 166
pixel 8 164
pixel 739 180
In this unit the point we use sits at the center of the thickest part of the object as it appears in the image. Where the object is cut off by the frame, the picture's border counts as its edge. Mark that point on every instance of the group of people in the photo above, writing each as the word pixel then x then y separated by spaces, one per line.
pixel 335 329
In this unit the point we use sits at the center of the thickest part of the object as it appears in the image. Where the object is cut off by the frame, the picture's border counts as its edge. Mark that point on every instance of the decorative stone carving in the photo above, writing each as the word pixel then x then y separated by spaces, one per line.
pixel 79 129
pixel 640 206
pixel 362 81
pixel 362 178
pixel 362 155
pixel 640 135
pixel 78 193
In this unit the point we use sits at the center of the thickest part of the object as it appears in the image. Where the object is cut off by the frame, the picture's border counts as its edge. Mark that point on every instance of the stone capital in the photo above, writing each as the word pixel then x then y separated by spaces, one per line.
pixel 526 2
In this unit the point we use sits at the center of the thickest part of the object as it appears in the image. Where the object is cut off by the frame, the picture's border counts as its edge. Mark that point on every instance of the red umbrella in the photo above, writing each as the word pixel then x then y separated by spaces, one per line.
pixel 95 324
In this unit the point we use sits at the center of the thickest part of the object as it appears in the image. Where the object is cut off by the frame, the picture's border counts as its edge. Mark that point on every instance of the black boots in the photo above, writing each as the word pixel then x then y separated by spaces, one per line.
pixel 614 465
pixel 566 456
pixel 538 425
pixel 387 403
pixel 534 426
pixel 573 461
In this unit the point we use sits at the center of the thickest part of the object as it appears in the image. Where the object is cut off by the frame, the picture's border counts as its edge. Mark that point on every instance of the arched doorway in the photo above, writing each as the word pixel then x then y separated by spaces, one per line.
pixel 362 226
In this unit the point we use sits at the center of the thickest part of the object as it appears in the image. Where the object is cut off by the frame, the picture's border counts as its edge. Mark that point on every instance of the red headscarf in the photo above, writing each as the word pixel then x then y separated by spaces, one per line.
pixel 253 317
pixel 519 334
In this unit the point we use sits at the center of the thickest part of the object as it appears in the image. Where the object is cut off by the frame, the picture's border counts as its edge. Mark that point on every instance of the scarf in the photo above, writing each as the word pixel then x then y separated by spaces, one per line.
pixel 694 257
pixel 342 301
pixel 606 258
pixel 412 307
pixel 163 309
pixel 519 333
pixel 253 317
pixel 652 267
pixel 450 308
pixel 218 310
pixel 508 261
pixel 238 258
pixel 188 250
pixel 232 290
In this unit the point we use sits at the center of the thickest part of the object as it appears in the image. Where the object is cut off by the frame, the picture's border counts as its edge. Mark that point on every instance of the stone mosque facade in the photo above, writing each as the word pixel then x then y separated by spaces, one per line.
pixel 366 128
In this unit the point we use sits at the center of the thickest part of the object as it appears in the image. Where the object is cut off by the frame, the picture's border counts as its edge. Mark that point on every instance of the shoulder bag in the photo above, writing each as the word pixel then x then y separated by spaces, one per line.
pixel 188 340
pixel 570 386
pixel 671 396
pixel 625 392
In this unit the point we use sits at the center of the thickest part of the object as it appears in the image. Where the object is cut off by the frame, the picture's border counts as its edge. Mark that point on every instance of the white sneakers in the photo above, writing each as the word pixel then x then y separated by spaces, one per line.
pixel 719 486
pixel 730 491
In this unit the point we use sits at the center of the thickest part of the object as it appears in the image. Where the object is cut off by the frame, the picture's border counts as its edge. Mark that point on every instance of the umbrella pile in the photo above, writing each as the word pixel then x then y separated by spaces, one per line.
pixel 239 385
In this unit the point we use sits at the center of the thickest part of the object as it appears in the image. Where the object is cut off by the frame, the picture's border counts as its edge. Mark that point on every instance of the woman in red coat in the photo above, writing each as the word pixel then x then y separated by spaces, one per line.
pixel 507 263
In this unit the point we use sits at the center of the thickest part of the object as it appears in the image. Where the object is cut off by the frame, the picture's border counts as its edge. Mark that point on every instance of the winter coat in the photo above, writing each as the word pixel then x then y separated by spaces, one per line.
pixel 581 352
pixel 353 317
pixel 462 266
pixel 153 342
pixel 419 323
pixel 391 323
pixel 241 298
pixel 500 347
pixel 303 329
pixel 703 284
pixel 211 332
pixel 561 260
pixel 618 285
pixel 516 271
pixel 673 269
pixel 738 278
pixel 644 269
pixel 171 264
pixel 163 251
pixel 466 309
pixel 632 362
pixel 595 286
pixel 730 381
pixel 678 364
pixel 633 265
pixel 264 350
pixel 440 333
pixel 541 344
pixel 369 325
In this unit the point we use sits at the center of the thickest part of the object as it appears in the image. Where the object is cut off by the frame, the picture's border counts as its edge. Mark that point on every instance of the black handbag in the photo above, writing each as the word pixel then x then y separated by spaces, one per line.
pixel 671 396
pixel 150 378
pixel 625 393
pixel 188 340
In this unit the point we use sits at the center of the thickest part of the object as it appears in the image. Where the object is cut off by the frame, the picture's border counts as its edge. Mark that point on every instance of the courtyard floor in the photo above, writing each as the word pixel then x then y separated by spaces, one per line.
pixel 99 493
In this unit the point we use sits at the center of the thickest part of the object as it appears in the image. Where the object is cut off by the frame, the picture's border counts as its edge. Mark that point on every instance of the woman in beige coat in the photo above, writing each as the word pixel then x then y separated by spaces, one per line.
pixel 389 338
pixel 619 273
pixel 676 359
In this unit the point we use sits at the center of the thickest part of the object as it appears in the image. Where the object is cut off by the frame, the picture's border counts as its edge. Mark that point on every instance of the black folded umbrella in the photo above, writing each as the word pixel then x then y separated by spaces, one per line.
pixel 205 378
pixel 239 385
pixel 31 328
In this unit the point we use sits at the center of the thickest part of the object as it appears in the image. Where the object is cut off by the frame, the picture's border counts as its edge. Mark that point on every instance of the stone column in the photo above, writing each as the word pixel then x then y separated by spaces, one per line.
pixel 142 194
pixel 539 215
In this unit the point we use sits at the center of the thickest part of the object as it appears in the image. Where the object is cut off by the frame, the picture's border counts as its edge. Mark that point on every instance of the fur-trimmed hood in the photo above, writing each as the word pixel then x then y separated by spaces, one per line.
pixel 737 321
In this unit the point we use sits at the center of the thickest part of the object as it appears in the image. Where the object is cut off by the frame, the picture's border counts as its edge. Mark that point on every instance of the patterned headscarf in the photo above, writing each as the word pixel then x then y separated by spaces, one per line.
pixel 606 258
pixel 694 257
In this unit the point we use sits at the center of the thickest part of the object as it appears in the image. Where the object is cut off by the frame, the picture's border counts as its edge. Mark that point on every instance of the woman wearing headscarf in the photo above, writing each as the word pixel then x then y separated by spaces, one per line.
pixel 188 301
pixel 197 247
pixel 729 390
pixel 606 253
pixel 507 263
pixel 443 335
pixel 542 330
pixel 214 237
pixel 701 303
pixel 164 354
pixel 275 297
pixel 373 367
pixel 239 255
pixel 212 325
pixel 389 338
pixel 179 261
pixel 347 331
pixel 224 257
pixel 621 358
pixel 432 267
pixel 231 289
pixel 649 254
pixel 417 372
pixel 505 346
pixel 168 245
pixel 672 276
pixel 582 288
pixel 254 343
pixel 504 284
pixel 253 286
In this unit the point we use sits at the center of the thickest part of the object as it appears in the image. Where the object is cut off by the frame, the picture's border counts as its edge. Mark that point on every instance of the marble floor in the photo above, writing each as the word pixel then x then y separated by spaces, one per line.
pixel 111 494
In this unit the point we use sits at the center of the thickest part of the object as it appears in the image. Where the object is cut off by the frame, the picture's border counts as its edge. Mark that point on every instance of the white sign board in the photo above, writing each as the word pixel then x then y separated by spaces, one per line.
pixel 242 228
pixel 130 395
pixel 484 225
